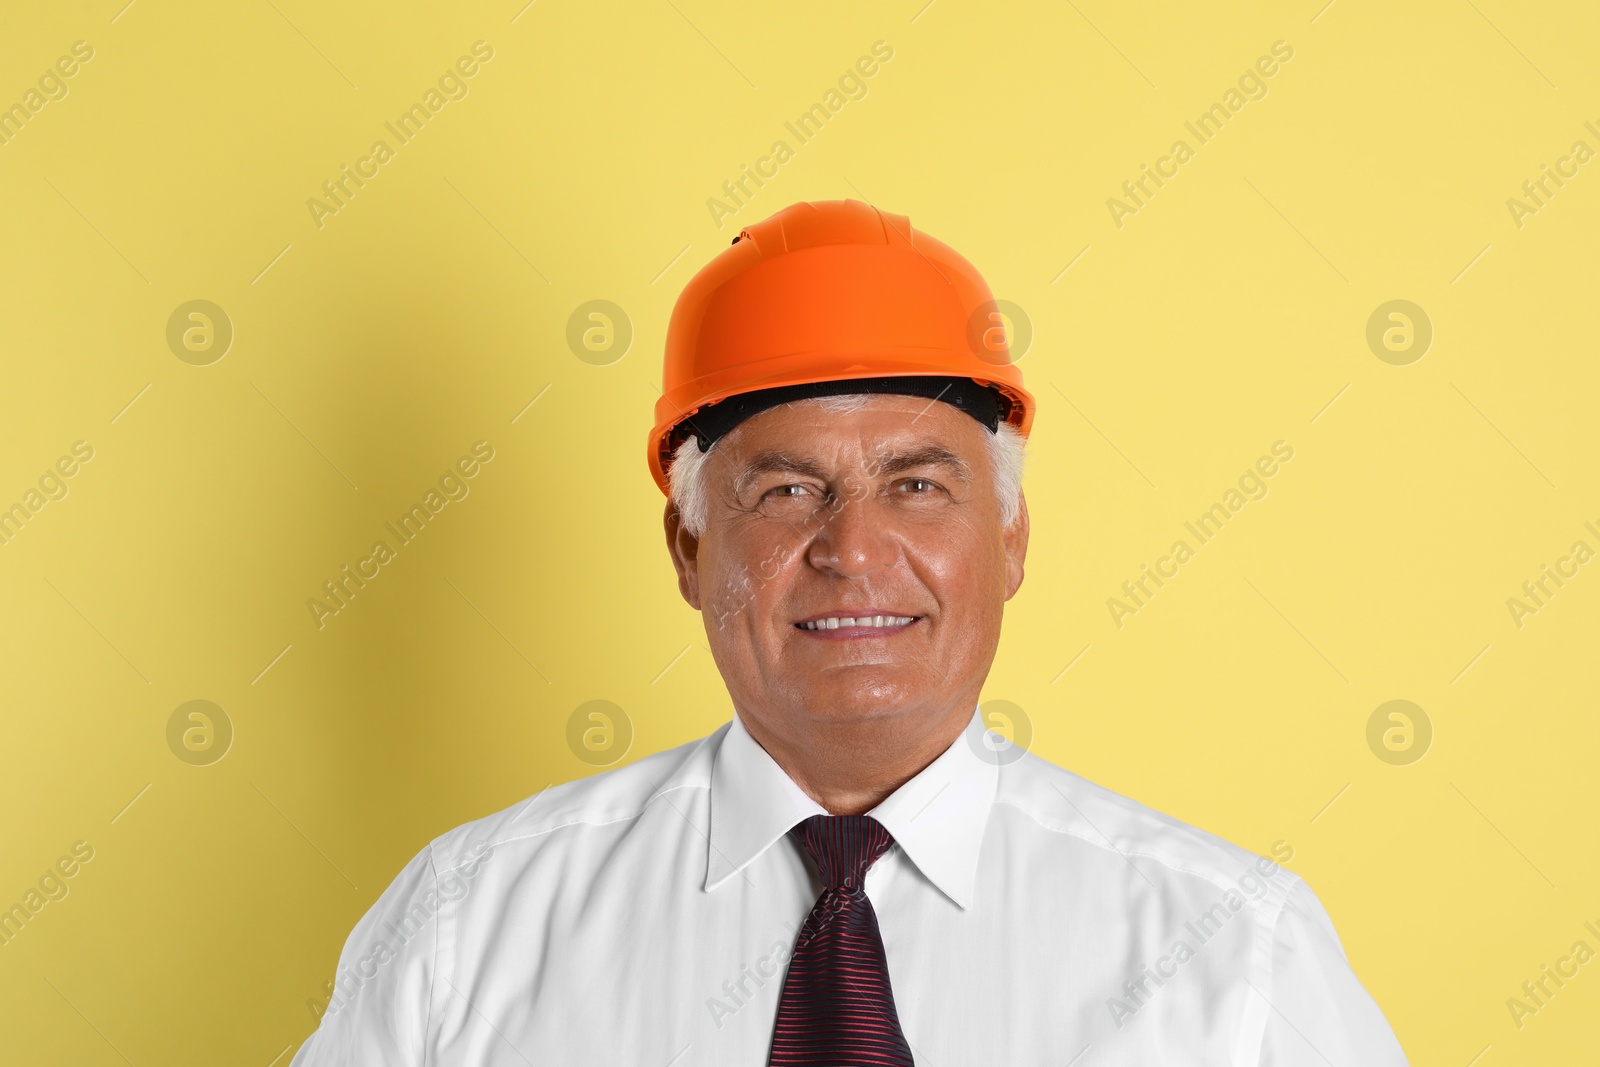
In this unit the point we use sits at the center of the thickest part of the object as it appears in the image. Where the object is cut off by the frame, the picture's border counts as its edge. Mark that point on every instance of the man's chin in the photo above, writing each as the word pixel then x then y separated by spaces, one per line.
pixel 862 694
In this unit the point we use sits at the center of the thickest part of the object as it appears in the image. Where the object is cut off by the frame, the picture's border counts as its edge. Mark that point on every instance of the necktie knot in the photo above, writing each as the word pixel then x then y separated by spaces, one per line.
pixel 843 847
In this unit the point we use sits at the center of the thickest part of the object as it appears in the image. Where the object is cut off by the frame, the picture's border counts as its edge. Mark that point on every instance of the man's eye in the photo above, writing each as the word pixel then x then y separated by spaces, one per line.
pixel 918 485
pixel 789 490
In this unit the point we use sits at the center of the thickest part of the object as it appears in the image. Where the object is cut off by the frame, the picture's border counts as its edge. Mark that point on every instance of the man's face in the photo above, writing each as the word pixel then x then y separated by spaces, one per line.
pixel 816 516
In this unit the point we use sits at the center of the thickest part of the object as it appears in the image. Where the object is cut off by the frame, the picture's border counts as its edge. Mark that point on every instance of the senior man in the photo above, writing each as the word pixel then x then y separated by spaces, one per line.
pixel 852 870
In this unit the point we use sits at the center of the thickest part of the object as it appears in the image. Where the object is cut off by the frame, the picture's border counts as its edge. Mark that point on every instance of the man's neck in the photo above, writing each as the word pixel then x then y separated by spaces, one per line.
pixel 851 767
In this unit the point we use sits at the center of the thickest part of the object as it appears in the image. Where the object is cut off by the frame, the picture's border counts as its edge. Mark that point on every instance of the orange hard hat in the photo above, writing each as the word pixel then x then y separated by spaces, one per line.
pixel 831 291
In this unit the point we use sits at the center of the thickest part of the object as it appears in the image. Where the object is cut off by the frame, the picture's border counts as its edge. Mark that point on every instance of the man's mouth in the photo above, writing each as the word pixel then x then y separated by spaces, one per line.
pixel 857 625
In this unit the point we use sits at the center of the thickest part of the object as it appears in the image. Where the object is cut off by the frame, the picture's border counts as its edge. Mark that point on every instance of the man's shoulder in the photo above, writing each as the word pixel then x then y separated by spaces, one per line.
pixel 614 798
pixel 1084 812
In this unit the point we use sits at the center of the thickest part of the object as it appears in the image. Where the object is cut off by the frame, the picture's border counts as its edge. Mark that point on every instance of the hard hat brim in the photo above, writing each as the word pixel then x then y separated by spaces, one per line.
pixel 673 409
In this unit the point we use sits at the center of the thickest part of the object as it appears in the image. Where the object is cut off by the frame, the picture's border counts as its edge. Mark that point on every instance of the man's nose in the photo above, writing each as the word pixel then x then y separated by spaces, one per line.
pixel 855 539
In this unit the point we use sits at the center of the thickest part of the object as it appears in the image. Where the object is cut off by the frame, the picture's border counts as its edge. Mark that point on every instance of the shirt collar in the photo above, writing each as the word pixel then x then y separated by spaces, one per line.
pixel 937 818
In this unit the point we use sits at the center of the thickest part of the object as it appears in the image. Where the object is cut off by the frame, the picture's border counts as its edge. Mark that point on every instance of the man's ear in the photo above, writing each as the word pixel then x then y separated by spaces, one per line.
pixel 1015 538
pixel 684 548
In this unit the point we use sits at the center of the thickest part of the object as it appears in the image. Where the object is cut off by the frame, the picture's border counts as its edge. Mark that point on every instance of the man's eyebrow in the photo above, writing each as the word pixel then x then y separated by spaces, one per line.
pixel 923 456
pixel 773 461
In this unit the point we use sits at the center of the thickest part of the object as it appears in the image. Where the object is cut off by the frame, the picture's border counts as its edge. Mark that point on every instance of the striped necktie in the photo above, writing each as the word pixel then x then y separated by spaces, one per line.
pixel 836 1008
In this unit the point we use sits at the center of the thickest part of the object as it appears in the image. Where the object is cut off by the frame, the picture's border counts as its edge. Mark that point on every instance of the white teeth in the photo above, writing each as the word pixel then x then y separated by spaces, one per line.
pixel 875 621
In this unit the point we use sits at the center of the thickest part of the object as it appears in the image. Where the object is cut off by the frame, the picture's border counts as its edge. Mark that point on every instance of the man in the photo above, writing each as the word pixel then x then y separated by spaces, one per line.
pixel 852 870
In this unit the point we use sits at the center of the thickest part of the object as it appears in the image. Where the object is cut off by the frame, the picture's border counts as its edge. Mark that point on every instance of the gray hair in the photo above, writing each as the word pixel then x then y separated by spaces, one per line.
pixel 686 475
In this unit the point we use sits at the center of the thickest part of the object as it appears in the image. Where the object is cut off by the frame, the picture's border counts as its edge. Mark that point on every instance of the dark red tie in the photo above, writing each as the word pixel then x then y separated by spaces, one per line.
pixel 836 1008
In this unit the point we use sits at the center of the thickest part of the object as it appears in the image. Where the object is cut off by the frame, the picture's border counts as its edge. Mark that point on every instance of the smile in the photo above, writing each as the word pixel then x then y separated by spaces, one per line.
pixel 857 622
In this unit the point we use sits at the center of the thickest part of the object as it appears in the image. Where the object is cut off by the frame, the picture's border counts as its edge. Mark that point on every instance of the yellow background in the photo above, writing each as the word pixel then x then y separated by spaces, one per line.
pixel 1229 313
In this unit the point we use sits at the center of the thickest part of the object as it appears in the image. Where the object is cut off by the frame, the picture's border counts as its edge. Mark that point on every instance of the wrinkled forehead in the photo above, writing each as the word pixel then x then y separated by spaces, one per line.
pixel 858 435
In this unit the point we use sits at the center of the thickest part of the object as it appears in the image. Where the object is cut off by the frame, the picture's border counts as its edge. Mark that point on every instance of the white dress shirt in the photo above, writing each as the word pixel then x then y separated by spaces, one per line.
pixel 644 917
